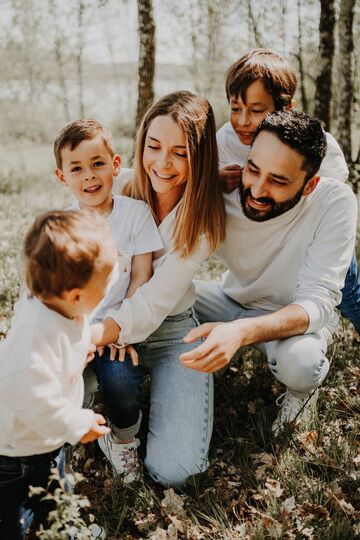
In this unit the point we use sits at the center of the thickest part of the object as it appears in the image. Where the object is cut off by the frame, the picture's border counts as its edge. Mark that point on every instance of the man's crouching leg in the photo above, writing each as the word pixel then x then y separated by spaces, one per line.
pixel 300 363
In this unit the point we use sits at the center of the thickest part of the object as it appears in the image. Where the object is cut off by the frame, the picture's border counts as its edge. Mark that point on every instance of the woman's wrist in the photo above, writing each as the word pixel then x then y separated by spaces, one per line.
pixel 106 332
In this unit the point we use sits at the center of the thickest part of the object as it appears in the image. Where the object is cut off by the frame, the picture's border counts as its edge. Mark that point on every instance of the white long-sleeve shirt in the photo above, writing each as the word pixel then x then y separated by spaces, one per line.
pixel 299 257
pixel 170 290
pixel 231 150
pixel 41 384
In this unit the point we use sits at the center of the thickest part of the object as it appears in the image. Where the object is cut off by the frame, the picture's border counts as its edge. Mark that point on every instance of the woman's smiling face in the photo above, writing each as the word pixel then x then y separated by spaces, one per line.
pixel 165 157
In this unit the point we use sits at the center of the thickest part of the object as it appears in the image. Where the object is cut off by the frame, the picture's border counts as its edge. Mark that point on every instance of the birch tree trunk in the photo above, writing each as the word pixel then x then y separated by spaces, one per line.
pixel 146 69
pixel 323 93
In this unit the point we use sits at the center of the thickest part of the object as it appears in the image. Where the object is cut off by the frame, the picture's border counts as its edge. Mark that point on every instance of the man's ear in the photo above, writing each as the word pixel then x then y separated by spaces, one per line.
pixel 116 165
pixel 311 185
pixel 291 105
pixel 60 176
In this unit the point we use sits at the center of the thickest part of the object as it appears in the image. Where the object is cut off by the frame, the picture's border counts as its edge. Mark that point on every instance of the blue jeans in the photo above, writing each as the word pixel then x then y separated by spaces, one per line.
pixel 299 362
pixel 181 402
pixel 17 474
pixel 350 303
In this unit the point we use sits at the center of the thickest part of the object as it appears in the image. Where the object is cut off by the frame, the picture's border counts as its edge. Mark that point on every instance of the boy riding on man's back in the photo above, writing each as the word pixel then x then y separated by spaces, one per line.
pixel 261 82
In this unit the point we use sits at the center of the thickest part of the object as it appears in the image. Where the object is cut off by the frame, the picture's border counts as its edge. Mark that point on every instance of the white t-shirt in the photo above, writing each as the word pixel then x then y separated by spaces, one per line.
pixel 300 257
pixel 41 384
pixel 232 150
pixel 170 291
pixel 134 232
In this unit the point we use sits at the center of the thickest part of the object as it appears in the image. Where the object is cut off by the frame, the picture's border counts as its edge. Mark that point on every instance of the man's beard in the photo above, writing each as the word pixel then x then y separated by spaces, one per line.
pixel 275 210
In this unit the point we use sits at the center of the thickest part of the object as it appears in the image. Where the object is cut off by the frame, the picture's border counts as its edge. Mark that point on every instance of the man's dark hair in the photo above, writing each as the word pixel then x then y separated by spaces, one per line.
pixel 301 133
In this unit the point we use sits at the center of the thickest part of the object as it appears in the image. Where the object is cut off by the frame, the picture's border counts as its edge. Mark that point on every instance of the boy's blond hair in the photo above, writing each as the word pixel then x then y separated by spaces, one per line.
pixel 276 73
pixel 63 249
pixel 80 130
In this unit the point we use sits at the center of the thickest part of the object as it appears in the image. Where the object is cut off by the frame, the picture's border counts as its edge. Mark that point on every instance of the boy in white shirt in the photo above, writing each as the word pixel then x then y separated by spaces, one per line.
pixel 261 82
pixel 87 164
pixel 69 262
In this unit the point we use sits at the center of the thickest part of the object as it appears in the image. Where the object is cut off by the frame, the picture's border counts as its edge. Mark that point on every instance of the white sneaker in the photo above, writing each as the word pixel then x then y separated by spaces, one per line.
pixel 122 456
pixel 293 409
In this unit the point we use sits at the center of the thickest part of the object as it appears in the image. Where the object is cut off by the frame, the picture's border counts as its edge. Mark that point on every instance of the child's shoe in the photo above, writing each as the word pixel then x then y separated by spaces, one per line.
pixel 122 456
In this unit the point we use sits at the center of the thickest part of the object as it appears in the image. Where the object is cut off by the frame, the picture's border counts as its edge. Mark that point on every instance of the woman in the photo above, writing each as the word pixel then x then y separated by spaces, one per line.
pixel 176 174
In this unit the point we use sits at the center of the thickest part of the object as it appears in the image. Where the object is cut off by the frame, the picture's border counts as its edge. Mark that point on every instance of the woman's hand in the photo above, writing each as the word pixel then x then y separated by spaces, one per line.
pixel 221 343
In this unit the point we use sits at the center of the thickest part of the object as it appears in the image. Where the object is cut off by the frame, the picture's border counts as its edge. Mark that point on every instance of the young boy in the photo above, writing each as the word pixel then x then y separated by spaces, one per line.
pixel 261 82
pixel 87 164
pixel 69 262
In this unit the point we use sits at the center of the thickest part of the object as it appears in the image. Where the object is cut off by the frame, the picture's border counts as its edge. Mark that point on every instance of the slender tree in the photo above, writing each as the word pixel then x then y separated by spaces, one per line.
pixel 346 80
pixel 146 70
pixel 79 56
pixel 300 57
pixel 59 57
pixel 323 93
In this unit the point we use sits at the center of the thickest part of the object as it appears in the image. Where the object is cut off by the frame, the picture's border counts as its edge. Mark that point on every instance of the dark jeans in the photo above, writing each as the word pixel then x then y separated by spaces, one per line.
pixel 120 387
pixel 350 303
pixel 17 474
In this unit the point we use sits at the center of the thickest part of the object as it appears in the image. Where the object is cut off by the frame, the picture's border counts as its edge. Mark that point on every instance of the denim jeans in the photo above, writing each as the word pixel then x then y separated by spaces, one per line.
pixel 350 303
pixel 181 402
pixel 17 474
pixel 299 362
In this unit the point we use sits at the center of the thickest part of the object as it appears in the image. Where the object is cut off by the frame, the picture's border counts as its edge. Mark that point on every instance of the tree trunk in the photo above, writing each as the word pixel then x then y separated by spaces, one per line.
pixel 253 25
pixel 345 78
pixel 79 56
pixel 58 41
pixel 323 93
pixel 146 58
pixel 300 56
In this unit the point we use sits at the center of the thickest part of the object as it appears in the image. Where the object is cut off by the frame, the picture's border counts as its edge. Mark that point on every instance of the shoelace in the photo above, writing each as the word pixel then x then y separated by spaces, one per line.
pixel 129 458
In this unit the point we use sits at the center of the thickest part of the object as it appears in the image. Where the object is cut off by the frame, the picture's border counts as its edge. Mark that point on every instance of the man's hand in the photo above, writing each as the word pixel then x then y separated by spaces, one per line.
pixel 230 177
pixel 97 430
pixel 221 343
pixel 120 352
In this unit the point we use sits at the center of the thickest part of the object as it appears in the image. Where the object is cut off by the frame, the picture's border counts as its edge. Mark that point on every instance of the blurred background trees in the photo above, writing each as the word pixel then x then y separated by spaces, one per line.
pixel 62 59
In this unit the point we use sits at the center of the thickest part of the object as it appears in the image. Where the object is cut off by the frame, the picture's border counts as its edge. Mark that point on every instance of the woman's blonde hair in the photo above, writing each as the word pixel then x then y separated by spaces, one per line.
pixel 201 210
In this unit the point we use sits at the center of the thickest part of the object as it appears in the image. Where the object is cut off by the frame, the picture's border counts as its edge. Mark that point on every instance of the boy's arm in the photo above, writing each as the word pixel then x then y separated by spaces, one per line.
pixel 35 396
pixel 334 164
pixel 230 177
pixel 141 272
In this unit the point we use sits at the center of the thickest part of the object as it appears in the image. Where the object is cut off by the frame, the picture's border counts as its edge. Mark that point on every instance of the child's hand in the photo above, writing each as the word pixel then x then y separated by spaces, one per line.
pixel 230 177
pixel 120 352
pixel 97 430
pixel 90 354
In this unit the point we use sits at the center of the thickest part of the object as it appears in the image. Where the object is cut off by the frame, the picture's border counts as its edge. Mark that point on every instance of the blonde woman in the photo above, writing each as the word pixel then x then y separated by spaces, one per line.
pixel 176 174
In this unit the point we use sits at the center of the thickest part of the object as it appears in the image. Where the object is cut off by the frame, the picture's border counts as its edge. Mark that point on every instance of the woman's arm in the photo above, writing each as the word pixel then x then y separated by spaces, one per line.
pixel 140 315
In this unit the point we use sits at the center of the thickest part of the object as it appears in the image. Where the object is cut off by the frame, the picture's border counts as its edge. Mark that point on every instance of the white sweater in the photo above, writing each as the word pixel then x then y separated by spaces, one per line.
pixel 232 150
pixel 170 291
pixel 41 384
pixel 299 257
